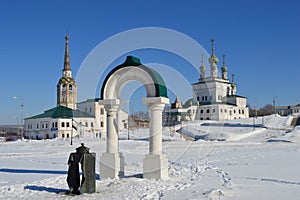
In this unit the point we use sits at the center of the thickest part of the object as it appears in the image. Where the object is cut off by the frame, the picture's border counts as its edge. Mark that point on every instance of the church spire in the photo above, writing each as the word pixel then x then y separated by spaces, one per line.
pixel 67 56
pixel 67 72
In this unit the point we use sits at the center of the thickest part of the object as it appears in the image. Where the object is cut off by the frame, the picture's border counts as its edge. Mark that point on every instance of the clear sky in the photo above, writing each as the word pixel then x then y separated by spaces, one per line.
pixel 261 40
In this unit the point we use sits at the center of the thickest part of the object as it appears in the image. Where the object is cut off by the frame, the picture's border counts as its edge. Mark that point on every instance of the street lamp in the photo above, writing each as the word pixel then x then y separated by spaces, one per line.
pixel 274 100
pixel 22 110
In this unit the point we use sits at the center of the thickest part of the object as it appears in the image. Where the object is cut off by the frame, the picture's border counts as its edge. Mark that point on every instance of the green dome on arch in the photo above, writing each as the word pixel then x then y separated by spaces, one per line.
pixel 160 86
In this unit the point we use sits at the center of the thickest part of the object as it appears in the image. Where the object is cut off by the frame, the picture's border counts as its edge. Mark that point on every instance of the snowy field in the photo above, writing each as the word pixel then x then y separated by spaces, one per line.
pixel 228 160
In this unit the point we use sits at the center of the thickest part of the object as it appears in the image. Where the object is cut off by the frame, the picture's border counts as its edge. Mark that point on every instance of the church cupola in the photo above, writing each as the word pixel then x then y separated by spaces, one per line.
pixel 66 87
pixel 202 68
pixel 176 104
pixel 213 60
pixel 233 86
pixel 224 69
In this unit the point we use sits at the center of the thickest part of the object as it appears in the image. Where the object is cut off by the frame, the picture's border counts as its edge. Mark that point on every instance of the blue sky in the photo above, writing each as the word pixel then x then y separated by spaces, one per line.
pixel 260 39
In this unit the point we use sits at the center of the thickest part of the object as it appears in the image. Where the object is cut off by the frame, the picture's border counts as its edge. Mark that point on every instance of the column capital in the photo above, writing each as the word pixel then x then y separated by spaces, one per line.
pixel 155 100
pixel 110 103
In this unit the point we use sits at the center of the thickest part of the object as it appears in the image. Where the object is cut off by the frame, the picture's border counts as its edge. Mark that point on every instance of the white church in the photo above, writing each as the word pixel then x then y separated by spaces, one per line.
pixel 214 97
pixel 70 118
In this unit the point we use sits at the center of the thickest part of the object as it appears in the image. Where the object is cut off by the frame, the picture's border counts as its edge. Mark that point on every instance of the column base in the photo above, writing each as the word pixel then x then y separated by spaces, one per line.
pixel 155 166
pixel 112 165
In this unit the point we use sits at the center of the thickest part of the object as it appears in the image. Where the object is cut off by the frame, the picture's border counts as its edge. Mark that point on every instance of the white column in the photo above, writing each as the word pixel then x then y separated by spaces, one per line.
pixel 111 162
pixel 155 164
pixel 112 131
pixel 155 132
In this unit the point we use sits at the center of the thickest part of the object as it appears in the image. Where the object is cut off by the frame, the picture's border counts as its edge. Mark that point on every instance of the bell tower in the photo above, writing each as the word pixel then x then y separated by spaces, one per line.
pixel 66 87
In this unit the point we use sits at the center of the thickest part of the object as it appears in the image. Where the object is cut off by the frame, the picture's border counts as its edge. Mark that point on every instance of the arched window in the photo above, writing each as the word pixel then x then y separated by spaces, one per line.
pixel 63 87
pixel 207 111
pixel 201 111
pixel 70 87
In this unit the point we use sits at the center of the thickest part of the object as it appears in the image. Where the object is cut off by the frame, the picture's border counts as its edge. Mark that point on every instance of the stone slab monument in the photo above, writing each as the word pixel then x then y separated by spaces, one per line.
pixel 87 162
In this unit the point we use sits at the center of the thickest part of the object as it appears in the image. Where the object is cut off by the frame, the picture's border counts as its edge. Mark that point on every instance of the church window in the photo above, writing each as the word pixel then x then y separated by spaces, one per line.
pixel 42 125
pixel 63 135
pixel 201 118
pixel 239 111
pixel 54 135
pixel 86 124
pixel 68 124
pixel 102 111
pixel 221 110
pixel 243 112
pixel 198 98
pixel 102 124
pixel 205 98
pixel 55 124
pixel 92 124
pixel 207 118
pixel 214 110
pixel 70 87
pixel 68 135
pixel 202 98
pixel 207 111
pixel 37 126
pixel 63 124
pixel 201 111
pixel 46 125
pixel 63 87
pixel 234 111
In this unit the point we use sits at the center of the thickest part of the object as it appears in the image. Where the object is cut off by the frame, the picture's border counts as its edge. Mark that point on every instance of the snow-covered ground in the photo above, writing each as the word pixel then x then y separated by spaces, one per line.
pixel 228 160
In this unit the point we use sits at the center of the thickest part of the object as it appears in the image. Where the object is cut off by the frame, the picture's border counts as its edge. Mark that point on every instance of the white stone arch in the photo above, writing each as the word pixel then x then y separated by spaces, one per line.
pixel 155 164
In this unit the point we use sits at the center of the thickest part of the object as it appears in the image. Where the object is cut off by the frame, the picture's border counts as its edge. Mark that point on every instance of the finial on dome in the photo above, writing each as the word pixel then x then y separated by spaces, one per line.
pixel 223 56
pixel 212 46
pixel 66 37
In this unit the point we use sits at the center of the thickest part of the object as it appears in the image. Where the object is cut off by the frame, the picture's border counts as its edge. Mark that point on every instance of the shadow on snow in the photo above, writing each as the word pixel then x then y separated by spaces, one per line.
pixel 46 189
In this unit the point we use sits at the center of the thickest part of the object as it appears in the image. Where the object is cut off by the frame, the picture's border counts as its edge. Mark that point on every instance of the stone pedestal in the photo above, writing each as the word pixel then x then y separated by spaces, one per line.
pixel 155 166
pixel 112 165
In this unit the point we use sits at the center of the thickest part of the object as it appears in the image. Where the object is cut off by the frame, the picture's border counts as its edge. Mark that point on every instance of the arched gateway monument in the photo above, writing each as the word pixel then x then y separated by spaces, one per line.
pixel 155 164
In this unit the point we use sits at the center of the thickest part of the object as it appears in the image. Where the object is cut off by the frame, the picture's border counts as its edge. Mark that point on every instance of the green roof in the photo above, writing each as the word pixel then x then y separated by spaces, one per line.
pixel 160 86
pixel 62 112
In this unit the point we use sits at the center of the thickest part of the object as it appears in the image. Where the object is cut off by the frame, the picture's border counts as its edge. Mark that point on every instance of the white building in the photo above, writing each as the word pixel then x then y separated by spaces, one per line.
pixel 214 97
pixel 61 122
pixel 69 118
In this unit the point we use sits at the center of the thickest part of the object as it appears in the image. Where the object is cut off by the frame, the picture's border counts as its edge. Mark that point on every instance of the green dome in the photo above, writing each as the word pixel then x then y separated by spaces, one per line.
pixel 213 59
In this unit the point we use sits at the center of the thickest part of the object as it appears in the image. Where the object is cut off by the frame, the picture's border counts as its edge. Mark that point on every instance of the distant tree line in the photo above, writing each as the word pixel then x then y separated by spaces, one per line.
pixel 266 110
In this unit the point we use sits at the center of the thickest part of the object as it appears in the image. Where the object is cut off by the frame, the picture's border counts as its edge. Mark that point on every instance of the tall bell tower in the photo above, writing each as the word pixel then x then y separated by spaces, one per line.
pixel 66 87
